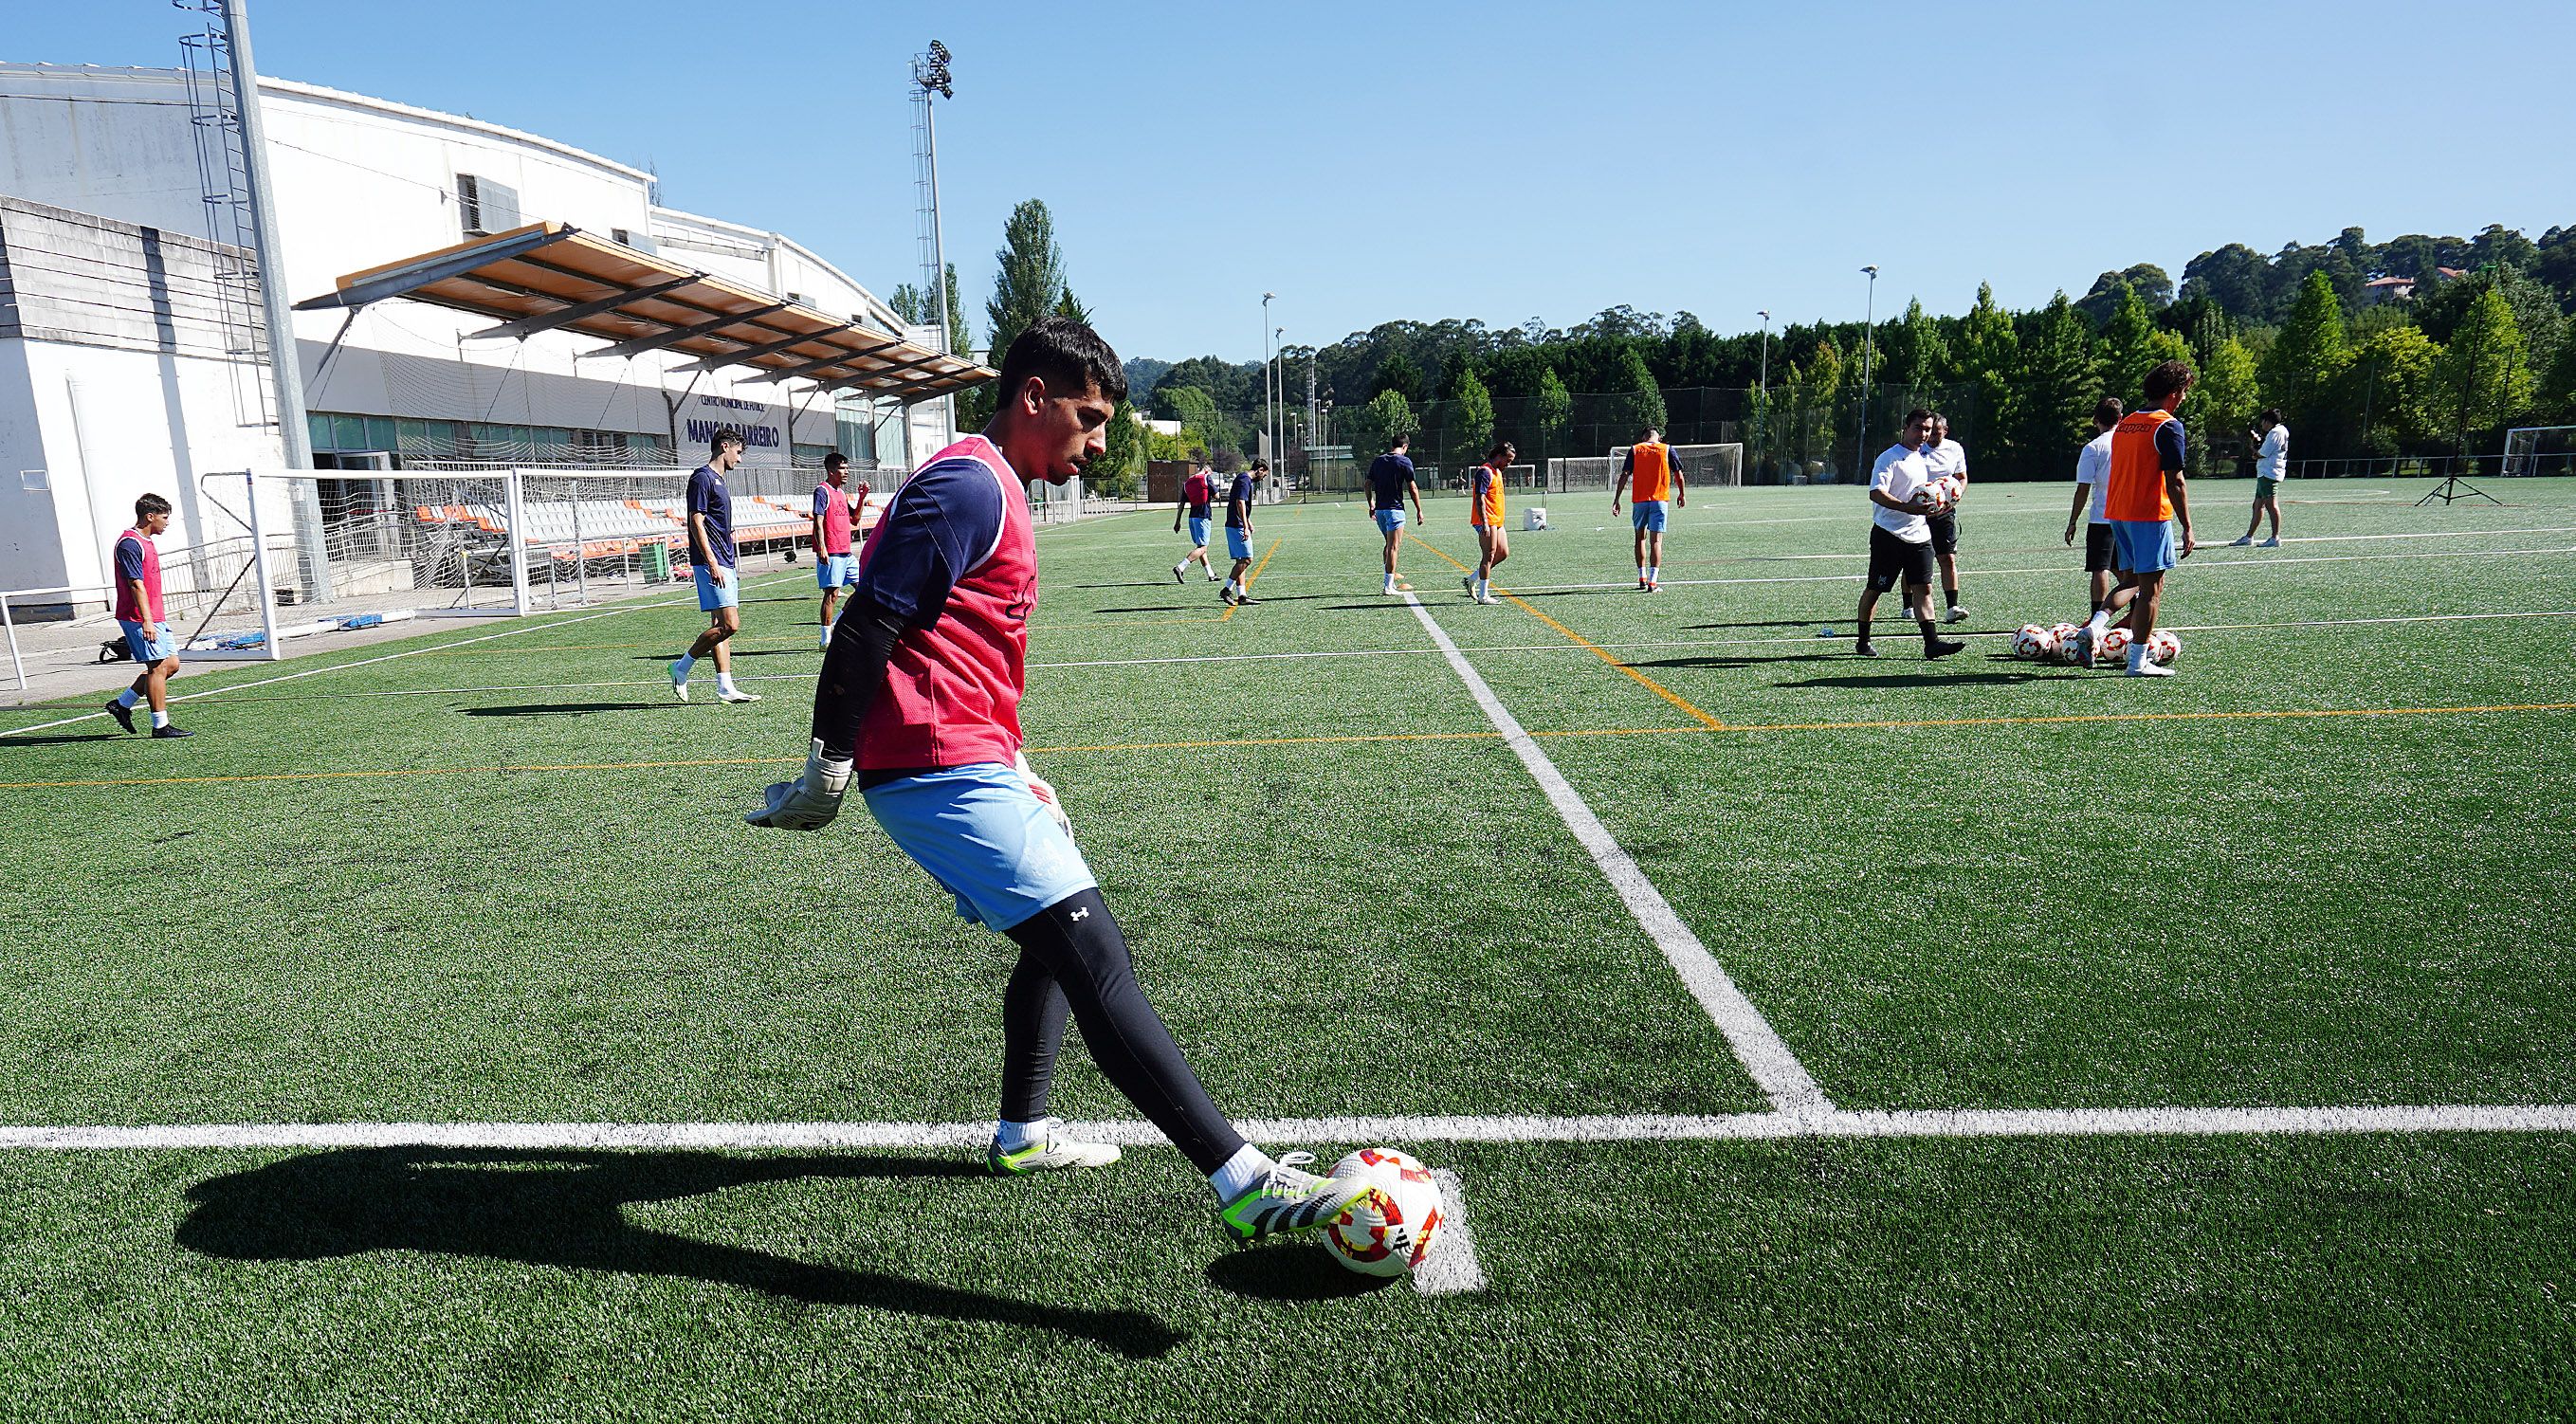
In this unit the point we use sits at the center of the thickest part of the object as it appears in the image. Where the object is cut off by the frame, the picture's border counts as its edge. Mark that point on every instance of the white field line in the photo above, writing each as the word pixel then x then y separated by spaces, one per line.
pixel 2243 561
pixel 1389 1131
pixel 1452 1268
pixel 1775 1070
pixel 635 606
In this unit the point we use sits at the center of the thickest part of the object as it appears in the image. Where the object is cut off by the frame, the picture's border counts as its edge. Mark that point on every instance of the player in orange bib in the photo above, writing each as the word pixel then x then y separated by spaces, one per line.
pixel 1485 513
pixel 1652 477
pixel 2143 498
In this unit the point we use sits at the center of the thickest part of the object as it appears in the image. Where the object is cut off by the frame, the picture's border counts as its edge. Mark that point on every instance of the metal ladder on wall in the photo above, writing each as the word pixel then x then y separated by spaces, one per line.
pixel 223 183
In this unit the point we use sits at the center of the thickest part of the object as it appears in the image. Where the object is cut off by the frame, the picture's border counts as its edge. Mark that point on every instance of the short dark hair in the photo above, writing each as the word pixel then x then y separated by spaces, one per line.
pixel 2108 410
pixel 1261 464
pixel 2271 415
pixel 1503 449
pixel 720 438
pixel 1917 414
pixel 145 506
pixel 836 461
pixel 1066 354
pixel 1398 440
pixel 2167 378
pixel 1940 420
pixel 1650 432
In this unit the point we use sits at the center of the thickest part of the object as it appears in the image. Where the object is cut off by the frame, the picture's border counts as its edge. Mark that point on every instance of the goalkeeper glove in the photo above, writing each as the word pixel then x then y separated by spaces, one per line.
pixel 1044 793
pixel 811 801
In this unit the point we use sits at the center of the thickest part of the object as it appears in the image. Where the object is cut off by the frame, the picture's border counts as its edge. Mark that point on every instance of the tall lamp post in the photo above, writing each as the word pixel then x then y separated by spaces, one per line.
pixel 1766 351
pixel 1279 405
pixel 1266 299
pixel 1868 325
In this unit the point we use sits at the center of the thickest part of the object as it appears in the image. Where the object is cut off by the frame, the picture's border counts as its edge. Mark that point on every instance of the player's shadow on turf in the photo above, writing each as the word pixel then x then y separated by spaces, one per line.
pixel 737 652
pixel 566 1210
pixel 1754 623
pixel 1290 1273
pixel 64 740
pixel 568 709
pixel 1945 679
pixel 1742 660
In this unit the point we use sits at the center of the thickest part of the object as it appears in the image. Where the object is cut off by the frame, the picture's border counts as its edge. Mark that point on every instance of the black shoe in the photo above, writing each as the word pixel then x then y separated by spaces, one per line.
pixel 167 733
pixel 1942 647
pixel 1241 599
pixel 123 714
pixel 1226 597
pixel 1864 650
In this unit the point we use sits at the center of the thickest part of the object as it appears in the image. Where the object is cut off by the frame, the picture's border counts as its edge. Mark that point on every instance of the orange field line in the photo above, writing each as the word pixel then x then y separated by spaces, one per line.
pixel 1706 721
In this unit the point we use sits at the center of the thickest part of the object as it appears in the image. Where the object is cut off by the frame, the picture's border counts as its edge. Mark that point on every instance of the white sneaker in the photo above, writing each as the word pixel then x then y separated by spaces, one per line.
pixel 1957 615
pixel 1389 590
pixel 2240 543
pixel 1045 1151
pixel 679 683
pixel 2140 665
pixel 2272 543
pixel 1470 583
pixel 1487 597
pixel 735 694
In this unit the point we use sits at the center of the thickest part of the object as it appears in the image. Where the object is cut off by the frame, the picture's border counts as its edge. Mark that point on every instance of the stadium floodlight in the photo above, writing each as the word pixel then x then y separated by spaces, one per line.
pixel 1868 324
pixel 1766 351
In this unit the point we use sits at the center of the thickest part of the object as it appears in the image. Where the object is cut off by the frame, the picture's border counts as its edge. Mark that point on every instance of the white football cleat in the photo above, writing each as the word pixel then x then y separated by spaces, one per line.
pixel 812 800
pixel 1046 1150
pixel 735 694
pixel 679 683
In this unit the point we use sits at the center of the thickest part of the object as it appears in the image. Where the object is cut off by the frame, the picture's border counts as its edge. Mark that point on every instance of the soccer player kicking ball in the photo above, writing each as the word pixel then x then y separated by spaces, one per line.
pixel 918 706
pixel 139 615
pixel 1651 476
pixel 1390 479
pixel 711 556
pixel 1900 539
pixel 1196 494
pixel 2144 498
pixel 836 508
pixel 1485 503
pixel 1238 532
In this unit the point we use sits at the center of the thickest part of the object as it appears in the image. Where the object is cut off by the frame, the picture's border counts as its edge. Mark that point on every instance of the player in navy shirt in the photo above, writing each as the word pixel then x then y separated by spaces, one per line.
pixel 1238 531
pixel 1390 480
pixel 711 555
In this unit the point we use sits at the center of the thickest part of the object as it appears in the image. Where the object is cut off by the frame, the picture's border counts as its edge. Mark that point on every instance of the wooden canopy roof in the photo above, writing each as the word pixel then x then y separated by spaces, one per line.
pixel 550 276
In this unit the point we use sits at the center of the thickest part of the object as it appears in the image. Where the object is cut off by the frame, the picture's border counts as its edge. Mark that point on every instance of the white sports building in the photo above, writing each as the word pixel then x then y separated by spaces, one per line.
pixel 129 341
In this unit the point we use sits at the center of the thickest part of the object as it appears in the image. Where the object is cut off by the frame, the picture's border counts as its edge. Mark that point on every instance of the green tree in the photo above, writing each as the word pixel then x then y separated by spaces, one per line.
pixel 2390 383
pixel 1028 282
pixel 2303 372
pixel 913 305
pixel 1071 308
pixel 1550 410
pixel 1468 420
pixel 1400 375
pixel 1917 355
pixel 1205 428
pixel 2126 339
pixel 1386 416
pixel 2483 378
pixel 1120 465
pixel 1640 402
pixel 1988 360
pixel 2060 385
pixel 2222 403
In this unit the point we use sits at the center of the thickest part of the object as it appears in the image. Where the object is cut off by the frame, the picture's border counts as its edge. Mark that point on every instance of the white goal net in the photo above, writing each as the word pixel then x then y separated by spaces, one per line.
pixel 1702 465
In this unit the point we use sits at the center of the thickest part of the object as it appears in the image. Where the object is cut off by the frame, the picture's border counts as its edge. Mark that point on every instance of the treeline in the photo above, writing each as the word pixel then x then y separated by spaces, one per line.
pixel 2470 337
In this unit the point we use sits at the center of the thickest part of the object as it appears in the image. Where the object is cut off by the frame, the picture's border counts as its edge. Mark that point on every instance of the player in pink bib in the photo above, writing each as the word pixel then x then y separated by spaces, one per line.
pixel 837 511
pixel 919 706
pixel 139 616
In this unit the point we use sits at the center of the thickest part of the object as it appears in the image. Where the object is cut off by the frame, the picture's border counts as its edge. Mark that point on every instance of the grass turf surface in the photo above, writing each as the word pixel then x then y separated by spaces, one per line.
pixel 2341 910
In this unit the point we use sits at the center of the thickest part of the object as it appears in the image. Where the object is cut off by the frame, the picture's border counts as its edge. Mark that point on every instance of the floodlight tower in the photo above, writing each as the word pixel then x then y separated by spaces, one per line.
pixel 1868 324
pixel 1266 338
pixel 930 77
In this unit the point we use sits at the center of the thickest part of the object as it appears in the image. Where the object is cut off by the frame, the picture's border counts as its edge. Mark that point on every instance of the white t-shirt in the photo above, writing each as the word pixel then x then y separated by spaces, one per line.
pixel 1946 458
pixel 1900 473
pixel 2093 467
pixel 2272 462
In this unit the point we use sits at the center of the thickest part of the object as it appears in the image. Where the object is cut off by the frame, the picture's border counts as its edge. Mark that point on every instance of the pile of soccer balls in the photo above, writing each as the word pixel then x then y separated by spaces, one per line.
pixel 1394 1226
pixel 2057 645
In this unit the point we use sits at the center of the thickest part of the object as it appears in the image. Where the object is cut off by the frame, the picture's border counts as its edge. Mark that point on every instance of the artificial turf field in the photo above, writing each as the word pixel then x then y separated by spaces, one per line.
pixel 496 876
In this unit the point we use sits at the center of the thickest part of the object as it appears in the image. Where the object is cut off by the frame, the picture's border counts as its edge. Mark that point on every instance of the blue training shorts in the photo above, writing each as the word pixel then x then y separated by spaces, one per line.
pixel 837 571
pixel 985 837
pixel 2142 546
pixel 1198 531
pixel 1238 542
pixel 1647 515
pixel 712 595
pixel 1389 520
pixel 147 651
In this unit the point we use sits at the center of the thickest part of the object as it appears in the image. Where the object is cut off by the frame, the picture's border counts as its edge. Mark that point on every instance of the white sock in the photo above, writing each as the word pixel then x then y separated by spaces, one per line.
pixel 724 682
pixel 160 719
pixel 128 698
pixel 2100 622
pixel 827 635
pixel 680 666
pixel 1012 1136
pixel 1240 1171
pixel 1654 573
pixel 2137 654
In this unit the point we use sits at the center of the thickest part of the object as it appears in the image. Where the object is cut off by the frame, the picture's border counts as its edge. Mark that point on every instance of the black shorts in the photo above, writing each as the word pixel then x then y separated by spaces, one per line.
pixel 1945 532
pixel 2097 548
pixel 1891 558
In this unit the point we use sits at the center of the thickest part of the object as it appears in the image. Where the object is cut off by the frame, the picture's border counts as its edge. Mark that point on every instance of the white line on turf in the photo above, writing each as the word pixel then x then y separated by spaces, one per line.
pixel 1773 1067
pixel 637 606
pixel 2242 561
pixel 1390 1131
pixel 1452 1267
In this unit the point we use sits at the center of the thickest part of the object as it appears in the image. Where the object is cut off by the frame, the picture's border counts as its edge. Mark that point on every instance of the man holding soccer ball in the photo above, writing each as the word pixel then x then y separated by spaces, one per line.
pixel 918 707
pixel 1900 539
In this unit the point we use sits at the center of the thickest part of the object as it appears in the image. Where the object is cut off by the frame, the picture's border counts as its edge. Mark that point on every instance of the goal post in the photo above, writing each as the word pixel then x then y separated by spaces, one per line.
pixel 2540 450
pixel 1701 465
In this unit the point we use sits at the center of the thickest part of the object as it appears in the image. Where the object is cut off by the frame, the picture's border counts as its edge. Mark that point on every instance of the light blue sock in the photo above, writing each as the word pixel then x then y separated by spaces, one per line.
pixel 128 698
pixel 680 666
pixel 1240 1172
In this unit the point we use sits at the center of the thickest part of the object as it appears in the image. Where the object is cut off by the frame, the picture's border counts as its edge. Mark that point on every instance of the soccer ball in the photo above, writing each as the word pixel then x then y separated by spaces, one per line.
pixel 1943 493
pixel 2163 647
pixel 2112 647
pixel 1393 1228
pixel 2065 633
pixel 2033 641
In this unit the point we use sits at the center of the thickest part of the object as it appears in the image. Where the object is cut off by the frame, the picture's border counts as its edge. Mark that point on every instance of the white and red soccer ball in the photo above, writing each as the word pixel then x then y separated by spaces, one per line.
pixel 1944 492
pixel 2163 647
pixel 2033 641
pixel 1393 1227
pixel 2112 648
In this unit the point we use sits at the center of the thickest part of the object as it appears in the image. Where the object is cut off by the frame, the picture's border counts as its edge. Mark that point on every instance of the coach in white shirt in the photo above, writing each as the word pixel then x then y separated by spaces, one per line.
pixel 1900 538
pixel 2271 466
pixel 2092 477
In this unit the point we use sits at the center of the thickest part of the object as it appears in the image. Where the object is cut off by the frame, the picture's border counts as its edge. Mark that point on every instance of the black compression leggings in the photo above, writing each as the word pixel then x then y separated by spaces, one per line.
pixel 1073 957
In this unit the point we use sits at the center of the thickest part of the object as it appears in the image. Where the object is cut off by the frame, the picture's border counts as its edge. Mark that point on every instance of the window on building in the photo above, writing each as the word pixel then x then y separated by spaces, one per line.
pixel 484 207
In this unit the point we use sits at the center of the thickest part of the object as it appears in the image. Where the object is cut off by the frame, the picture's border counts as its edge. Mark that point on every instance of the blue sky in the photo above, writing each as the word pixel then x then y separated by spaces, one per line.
pixel 1498 161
